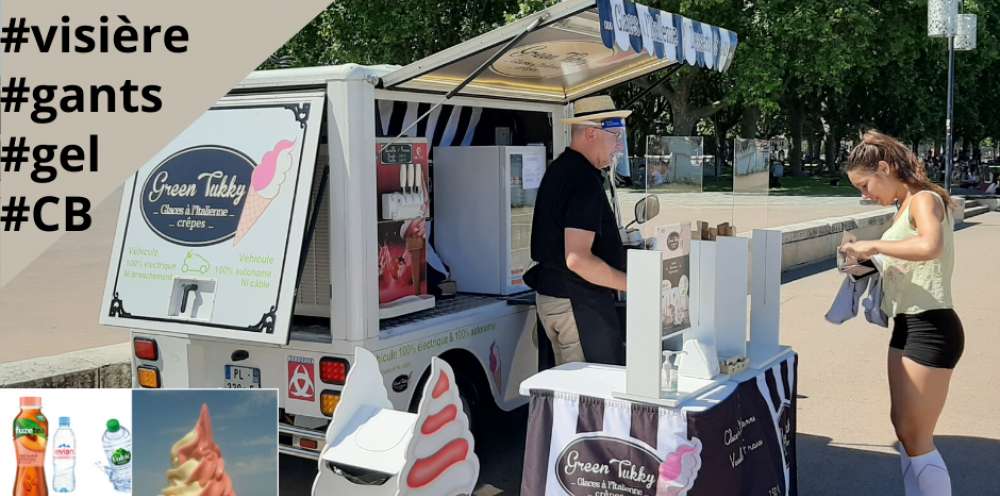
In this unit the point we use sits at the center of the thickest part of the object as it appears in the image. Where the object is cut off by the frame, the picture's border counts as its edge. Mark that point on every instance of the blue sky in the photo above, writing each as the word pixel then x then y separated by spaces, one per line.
pixel 244 424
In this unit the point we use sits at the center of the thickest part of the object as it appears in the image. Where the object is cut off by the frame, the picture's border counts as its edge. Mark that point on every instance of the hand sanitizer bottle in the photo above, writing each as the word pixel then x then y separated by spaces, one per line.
pixel 669 372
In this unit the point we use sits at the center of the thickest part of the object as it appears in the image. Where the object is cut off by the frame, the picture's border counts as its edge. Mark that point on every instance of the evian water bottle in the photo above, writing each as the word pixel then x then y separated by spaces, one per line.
pixel 117 443
pixel 64 458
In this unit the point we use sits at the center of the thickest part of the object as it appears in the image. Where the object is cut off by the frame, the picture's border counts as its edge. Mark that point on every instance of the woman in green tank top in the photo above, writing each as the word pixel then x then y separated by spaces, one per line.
pixel 917 253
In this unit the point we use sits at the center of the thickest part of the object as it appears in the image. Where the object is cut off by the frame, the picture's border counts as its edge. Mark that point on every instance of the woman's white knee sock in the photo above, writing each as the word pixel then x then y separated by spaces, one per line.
pixel 906 467
pixel 929 475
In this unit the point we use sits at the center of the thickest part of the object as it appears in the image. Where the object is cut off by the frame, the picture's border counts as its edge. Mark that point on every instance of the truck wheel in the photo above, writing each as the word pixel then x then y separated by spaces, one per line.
pixel 470 403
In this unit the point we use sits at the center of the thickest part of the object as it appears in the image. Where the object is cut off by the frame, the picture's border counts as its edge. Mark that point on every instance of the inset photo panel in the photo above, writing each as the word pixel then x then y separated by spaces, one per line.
pixel 219 442
pixel 67 441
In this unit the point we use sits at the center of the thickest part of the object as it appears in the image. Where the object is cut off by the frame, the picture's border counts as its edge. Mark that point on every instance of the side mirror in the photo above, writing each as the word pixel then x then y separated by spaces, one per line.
pixel 647 208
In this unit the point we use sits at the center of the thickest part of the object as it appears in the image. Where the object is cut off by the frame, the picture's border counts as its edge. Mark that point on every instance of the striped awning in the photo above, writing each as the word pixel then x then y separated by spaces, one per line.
pixel 631 26
pixel 447 125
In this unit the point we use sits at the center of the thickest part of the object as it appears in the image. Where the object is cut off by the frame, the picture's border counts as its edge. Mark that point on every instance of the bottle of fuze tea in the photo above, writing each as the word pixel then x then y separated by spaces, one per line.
pixel 31 432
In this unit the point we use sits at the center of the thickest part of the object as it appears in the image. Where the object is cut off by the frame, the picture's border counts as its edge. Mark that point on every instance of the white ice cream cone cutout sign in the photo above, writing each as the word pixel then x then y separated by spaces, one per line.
pixel 440 460
pixel 429 453
pixel 265 184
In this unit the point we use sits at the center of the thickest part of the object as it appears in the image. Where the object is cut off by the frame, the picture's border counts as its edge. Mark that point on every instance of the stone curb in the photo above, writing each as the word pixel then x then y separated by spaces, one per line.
pixel 105 366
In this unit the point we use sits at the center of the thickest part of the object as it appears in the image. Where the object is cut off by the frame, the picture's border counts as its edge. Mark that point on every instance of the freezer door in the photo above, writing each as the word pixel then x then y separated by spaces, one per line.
pixel 525 166
pixel 210 229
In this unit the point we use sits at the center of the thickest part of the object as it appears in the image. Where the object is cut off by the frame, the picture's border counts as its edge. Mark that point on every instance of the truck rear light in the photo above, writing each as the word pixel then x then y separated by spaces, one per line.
pixel 333 370
pixel 145 349
pixel 328 401
pixel 149 377
pixel 309 444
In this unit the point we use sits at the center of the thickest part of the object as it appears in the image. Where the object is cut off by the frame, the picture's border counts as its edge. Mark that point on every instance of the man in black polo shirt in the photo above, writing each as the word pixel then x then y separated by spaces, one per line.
pixel 575 242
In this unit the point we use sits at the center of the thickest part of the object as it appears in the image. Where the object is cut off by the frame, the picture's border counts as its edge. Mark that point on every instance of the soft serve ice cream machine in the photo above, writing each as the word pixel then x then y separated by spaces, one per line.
pixel 403 203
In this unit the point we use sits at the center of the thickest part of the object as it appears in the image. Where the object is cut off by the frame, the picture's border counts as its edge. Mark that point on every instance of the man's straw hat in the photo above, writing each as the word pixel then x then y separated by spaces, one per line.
pixel 594 109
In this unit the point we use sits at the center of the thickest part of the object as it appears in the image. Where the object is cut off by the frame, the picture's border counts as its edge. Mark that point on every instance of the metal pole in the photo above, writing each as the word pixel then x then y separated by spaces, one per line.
pixel 643 93
pixel 948 119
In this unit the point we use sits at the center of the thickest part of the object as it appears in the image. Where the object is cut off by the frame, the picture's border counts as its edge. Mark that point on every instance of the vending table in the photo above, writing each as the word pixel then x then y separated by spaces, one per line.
pixel 736 438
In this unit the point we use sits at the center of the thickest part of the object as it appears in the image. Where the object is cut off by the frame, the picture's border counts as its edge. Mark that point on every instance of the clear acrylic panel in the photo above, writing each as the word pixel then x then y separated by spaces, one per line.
pixel 672 170
pixel 751 183
pixel 674 164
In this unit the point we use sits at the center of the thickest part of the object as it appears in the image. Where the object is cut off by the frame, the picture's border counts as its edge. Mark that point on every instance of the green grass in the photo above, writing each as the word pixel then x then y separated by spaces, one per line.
pixel 791 186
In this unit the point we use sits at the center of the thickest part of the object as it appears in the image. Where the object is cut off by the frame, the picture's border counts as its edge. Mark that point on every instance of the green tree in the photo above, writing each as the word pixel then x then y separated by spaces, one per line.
pixel 388 31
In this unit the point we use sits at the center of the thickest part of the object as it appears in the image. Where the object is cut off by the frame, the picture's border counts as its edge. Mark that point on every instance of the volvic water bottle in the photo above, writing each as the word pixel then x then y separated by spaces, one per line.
pixel 64 458
pixel 117 443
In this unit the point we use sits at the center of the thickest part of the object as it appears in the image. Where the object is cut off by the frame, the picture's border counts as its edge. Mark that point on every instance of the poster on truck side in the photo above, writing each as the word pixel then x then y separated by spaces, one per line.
pixel 210 229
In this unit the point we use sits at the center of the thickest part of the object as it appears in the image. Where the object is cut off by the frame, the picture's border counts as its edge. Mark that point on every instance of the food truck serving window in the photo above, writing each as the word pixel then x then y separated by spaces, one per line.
pixel 579 47
pixel 210 230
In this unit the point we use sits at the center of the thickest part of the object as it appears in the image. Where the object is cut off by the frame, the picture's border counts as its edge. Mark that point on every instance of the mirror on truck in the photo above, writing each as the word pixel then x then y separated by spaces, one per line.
pixel 646 209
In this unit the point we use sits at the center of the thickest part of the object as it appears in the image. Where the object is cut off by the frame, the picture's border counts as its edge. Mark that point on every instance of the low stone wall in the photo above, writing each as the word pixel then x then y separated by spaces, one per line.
pixel 107 366
pixel 814 241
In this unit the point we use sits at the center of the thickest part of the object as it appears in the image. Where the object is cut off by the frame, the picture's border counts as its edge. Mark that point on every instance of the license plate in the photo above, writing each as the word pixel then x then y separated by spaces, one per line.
pixel 242 377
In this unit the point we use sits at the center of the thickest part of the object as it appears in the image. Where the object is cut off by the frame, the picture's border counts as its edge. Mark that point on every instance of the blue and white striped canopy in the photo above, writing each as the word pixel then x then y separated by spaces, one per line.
pixel 630 26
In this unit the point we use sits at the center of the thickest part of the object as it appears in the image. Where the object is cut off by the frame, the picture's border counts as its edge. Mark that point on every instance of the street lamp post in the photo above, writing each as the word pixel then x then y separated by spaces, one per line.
pixel 944 21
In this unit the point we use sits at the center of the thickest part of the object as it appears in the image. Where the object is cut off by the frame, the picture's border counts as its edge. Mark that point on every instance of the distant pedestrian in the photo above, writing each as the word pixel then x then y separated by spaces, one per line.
pixel 918 254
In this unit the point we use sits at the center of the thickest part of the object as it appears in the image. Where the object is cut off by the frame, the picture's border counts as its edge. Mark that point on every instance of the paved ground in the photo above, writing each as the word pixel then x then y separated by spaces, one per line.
pixel 52 306
pixel 845 438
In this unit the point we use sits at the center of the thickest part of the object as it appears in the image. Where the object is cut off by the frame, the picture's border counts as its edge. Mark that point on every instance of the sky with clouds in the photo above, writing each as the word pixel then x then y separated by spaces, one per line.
pixel 244 424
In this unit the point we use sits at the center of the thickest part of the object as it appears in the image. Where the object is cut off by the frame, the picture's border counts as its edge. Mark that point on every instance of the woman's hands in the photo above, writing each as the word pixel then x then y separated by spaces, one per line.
pixel 859 250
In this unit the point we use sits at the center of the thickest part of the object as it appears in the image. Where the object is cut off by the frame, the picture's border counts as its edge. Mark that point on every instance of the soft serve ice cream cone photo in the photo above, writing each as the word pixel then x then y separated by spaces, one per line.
pixel 206 443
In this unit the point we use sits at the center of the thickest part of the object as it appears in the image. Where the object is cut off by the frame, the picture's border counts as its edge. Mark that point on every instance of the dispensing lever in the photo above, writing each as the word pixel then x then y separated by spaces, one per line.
pixel 187 289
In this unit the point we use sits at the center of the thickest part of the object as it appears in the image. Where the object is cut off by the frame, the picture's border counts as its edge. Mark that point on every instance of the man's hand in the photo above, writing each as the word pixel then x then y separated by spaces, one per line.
pixel 584 263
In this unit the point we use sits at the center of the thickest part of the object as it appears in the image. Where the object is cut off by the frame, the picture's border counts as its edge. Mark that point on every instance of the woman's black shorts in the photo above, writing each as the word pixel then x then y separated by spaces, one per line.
pixel 933 338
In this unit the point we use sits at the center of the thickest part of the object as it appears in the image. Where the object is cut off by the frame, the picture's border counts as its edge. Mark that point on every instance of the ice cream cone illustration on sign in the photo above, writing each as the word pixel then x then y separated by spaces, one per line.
pixel 265 184
pixel 196 464
pixel 440 459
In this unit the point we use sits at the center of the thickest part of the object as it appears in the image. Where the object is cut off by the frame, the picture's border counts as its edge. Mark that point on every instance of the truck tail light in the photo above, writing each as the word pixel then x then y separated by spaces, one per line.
pixel 310 444
pixel 145 349
pixel 149 377
pixel 328 401
pixel 333 370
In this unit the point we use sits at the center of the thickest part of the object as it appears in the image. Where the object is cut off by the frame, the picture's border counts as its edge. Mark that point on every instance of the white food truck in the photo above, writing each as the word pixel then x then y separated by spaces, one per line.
pixel 299 217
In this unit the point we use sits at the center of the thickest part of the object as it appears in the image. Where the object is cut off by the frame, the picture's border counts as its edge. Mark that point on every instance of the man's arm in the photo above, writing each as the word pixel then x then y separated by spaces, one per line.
pixel 584 263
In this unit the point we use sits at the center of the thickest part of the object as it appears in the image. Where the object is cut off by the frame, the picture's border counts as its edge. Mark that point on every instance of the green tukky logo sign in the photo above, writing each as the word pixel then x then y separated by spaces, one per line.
pixel 27 427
